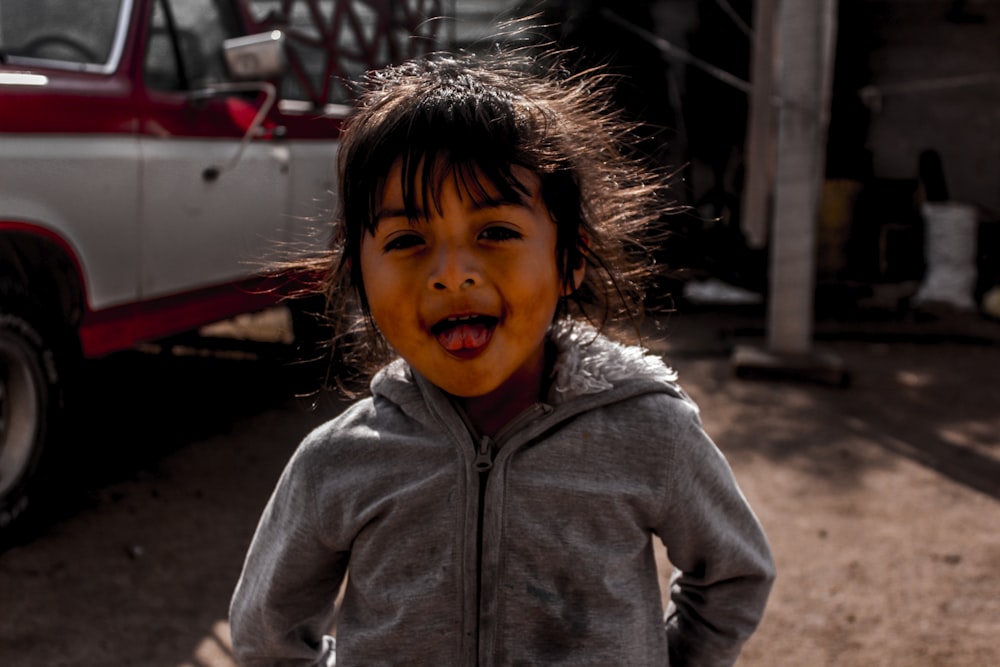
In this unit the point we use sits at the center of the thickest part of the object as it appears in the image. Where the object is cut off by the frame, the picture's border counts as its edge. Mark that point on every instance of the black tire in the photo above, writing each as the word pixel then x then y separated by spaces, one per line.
pixel 30 401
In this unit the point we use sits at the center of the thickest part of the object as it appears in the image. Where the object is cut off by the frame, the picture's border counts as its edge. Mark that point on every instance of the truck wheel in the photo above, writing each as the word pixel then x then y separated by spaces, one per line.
pixel 29 397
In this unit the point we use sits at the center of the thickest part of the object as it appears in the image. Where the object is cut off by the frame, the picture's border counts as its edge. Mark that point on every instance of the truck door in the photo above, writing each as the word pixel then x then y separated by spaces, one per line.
pixel 206 218
pixel 330 43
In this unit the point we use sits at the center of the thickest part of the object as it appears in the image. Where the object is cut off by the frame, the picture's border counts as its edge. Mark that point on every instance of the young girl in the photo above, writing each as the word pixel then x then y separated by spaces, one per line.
pixel 494 500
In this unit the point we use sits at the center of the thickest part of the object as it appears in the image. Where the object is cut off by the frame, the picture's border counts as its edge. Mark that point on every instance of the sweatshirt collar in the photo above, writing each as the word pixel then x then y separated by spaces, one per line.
pixel 587 363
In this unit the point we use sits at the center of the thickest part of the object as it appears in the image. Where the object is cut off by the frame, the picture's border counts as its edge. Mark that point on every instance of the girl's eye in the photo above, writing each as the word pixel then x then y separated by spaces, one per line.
pixel 403 242
pixel 499 233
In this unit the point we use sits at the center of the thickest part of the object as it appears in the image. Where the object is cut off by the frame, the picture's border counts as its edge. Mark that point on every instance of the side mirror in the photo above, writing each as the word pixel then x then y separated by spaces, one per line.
pixel 259 57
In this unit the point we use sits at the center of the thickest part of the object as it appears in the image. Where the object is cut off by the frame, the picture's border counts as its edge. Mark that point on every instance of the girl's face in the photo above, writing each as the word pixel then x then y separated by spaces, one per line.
pixel 466 293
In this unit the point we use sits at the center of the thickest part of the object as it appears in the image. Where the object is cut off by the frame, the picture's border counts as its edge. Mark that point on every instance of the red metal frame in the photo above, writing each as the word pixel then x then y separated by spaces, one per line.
pixel 403 31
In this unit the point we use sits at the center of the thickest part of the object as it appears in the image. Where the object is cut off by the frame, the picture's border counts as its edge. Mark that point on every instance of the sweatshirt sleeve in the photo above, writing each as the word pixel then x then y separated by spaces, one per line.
pixel 724 564
pixel 283 605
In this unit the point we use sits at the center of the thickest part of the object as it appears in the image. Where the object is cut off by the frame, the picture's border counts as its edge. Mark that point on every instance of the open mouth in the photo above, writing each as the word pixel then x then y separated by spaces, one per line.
pixel 465 332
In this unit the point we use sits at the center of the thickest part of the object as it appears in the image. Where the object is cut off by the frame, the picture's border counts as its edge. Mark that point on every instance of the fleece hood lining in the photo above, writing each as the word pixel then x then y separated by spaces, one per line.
pixel 589 363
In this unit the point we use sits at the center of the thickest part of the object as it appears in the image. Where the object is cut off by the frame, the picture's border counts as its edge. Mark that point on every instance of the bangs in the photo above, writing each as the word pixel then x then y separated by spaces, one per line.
pixel 423 177
pixel 458 130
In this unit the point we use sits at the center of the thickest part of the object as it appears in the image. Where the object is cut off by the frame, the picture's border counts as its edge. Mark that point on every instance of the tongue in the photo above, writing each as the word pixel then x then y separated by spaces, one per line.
pixel 464 337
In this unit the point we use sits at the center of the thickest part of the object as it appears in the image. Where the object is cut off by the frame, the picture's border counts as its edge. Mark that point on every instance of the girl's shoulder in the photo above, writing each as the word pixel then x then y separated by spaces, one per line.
pixel 389 409
pixel 666 408
pixel 357 421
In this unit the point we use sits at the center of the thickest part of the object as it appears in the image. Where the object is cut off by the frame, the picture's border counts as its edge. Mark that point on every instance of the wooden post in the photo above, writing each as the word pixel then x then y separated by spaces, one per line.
pixel 806 36
pixel 806 55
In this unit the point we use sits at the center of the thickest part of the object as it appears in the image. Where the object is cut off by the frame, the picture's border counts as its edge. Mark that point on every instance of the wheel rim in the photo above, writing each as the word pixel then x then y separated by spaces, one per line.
pixel 18 412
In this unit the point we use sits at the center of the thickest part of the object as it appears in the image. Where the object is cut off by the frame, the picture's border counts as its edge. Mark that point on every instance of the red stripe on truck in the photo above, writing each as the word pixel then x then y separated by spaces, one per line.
pixel 121 327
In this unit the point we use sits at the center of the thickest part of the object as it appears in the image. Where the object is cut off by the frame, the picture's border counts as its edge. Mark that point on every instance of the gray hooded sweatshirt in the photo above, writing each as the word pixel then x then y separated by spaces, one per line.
pixel 530 548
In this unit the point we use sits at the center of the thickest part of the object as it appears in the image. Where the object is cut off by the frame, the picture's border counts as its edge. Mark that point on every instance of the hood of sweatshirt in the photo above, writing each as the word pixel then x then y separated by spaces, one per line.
pixel 587 363
pixel 589 369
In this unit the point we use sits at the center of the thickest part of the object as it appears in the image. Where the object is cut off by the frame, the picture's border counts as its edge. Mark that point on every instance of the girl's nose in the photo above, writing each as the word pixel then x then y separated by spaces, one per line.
pixel 454 269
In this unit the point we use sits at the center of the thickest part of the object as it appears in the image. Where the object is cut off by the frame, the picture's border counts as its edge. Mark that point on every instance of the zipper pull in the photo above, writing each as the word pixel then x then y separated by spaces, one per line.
pixel 484 455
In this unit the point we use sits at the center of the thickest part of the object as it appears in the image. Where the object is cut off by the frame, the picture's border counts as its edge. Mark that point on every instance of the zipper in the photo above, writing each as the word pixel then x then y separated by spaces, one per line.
pixel 483 464
pixel 486 450
pixel 484 460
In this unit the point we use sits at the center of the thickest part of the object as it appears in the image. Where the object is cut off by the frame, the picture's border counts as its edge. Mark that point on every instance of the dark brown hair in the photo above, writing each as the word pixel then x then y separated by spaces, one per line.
pixel 475 117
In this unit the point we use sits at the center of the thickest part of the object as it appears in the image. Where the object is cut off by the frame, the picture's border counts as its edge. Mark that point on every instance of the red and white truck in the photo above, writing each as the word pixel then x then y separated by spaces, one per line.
pixel 155 155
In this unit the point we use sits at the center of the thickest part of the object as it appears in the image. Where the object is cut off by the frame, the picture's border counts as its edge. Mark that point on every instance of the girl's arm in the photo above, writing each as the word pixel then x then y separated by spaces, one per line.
pixel 716 542
pixel 283 605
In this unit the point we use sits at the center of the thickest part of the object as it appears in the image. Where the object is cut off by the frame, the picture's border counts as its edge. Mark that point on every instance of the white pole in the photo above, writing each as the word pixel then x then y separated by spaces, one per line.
pixel 806 32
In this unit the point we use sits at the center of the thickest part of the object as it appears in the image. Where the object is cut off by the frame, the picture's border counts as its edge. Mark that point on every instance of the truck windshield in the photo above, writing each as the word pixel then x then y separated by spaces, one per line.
pixel 66 34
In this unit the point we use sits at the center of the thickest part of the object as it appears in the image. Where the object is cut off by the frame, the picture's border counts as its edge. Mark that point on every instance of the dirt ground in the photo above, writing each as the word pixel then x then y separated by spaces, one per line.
pixel 882 500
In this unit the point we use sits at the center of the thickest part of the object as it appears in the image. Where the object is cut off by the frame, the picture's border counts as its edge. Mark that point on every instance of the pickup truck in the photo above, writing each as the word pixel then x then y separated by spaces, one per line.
pixel 156 157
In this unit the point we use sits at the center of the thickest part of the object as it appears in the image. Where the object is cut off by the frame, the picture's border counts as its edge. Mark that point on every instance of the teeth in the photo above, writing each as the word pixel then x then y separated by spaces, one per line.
pixel 458 321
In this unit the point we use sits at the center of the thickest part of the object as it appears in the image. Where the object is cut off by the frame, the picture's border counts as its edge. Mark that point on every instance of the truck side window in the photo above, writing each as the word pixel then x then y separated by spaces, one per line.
pixel 59 31
pixel 184 49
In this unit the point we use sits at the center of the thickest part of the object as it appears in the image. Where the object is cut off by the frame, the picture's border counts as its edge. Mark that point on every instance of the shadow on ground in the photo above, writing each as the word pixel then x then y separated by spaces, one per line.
pixel 168 467
pixel 917 389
